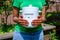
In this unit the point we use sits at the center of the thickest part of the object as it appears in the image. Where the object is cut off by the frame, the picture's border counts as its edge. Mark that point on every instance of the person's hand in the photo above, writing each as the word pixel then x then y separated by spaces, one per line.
pixel 22 21
pixel 37 22
pixel 43 18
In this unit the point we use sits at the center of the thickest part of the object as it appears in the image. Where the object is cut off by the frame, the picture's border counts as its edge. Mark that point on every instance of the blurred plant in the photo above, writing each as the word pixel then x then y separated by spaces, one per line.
pixel 1 10
pixel 9 28
pixel 53 18
pixel 53 35
pixel 7 7
pixel 49 3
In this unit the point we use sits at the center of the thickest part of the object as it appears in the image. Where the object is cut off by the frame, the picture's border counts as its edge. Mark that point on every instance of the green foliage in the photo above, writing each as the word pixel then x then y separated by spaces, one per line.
pixel 53 18
pixel 53 35
pixel 1 10
pixel 9 28
pixel 7 6
pixel 48 15
pixel 1 32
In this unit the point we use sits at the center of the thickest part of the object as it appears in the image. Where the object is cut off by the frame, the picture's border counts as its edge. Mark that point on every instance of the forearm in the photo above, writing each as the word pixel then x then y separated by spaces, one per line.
pixel 44 13
pixel 15 15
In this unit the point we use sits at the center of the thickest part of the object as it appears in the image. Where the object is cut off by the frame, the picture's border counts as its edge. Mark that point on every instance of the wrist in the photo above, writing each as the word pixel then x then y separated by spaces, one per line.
pixel 43 18
pixel 16 19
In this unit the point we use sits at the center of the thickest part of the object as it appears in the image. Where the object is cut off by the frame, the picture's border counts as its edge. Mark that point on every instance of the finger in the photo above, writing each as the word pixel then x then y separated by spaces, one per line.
pixel 39 16
pixel 24 24
pixel 21 16
pixel 35 25
pixel 22 20
pixel 36 21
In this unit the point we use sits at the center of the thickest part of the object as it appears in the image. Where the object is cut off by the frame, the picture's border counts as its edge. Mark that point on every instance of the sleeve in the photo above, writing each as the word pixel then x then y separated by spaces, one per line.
pixel 16 3
pixel 43 2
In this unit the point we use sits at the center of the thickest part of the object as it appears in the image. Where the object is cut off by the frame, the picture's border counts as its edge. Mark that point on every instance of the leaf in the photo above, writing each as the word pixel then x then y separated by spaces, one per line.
pixel 49 15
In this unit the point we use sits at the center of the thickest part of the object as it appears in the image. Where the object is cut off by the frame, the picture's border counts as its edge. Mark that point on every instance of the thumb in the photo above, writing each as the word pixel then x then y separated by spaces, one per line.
pixel 20 16
pixel 39 16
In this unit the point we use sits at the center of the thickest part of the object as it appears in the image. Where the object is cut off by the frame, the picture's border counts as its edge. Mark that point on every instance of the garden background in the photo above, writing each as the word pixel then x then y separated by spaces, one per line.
pixel 52 16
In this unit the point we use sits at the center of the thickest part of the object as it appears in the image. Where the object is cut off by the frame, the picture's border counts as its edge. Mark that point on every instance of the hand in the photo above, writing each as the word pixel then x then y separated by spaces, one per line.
pixel 43 18
pixel 37 21
pixel 23 21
